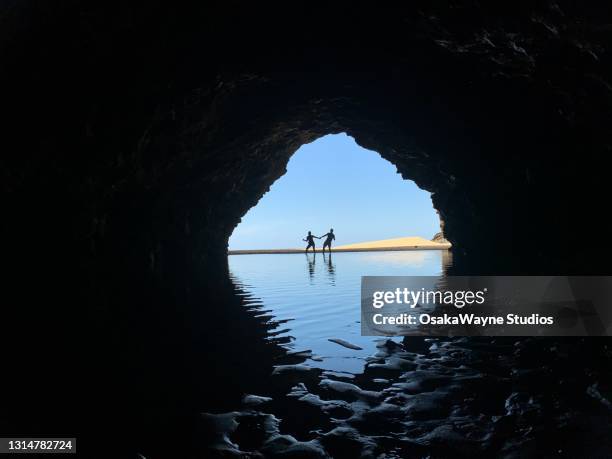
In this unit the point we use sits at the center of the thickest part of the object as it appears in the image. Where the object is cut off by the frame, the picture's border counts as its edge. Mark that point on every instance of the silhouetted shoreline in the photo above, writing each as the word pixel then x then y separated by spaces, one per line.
pixel 373 249
pixel 383 245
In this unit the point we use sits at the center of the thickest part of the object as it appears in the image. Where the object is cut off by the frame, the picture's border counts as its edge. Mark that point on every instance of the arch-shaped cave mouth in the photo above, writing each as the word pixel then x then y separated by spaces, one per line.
pixel 311 299
pixel 333 182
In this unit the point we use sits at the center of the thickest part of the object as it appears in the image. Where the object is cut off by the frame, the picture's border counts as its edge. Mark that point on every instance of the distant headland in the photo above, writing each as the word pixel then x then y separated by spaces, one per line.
pixel 395 244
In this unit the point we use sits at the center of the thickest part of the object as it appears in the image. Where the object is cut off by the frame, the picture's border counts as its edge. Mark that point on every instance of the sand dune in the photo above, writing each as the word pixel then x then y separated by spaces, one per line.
pixel 400 243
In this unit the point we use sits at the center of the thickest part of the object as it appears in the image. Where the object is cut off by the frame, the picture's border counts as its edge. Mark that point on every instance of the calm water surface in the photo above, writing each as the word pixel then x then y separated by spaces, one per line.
pixel 317 297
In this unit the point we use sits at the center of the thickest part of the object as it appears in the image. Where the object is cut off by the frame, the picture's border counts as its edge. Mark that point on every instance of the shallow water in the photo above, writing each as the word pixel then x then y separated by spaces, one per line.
pixel 416 397
pixel 317 297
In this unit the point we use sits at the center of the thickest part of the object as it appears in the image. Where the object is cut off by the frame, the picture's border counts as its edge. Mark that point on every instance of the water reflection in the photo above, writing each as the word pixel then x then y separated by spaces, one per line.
pixel 311 265
pixel 324 302
pixel 331 270
pixel 416 258
pixel 453 394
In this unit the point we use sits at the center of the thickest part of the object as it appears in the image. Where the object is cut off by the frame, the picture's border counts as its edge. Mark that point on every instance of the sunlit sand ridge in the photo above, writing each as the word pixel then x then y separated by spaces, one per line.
pixel 400 243
pixel 412 242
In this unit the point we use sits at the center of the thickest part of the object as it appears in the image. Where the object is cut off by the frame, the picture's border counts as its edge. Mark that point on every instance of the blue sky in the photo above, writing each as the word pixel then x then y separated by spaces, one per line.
pixel 334 183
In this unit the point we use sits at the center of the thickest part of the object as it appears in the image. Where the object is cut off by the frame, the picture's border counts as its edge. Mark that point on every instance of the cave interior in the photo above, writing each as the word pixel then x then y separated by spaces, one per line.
pixel 137 137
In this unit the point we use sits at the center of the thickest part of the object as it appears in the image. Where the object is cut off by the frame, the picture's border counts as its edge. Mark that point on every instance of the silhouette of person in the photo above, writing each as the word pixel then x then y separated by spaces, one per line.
pixel 330 237
pixel 310 240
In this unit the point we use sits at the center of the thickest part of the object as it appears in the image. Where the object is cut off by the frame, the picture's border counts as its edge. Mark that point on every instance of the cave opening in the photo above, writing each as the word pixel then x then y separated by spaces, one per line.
pixel 380 222
pixel 334 182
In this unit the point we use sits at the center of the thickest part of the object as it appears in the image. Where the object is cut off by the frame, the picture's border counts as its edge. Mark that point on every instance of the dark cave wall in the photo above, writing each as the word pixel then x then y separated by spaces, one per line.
pixel 171 110
pixel 136 138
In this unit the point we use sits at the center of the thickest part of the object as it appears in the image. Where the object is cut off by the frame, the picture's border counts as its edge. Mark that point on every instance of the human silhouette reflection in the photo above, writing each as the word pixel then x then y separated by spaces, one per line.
pixel 331 269
pixel 311 265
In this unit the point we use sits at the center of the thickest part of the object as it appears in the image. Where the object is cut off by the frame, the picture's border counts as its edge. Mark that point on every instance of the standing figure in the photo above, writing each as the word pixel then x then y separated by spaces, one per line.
pixel 310 240
pixel 330 237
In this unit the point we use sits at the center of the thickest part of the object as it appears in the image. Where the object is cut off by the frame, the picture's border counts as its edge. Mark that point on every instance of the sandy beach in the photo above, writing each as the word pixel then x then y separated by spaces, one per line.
pixel 395 244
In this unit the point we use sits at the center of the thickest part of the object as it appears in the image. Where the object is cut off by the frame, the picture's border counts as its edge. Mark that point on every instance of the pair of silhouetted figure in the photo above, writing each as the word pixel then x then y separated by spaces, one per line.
pixel 329 237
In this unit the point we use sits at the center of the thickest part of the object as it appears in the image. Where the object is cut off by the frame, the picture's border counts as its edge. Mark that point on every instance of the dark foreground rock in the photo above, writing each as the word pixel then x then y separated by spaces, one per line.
pixel 460 398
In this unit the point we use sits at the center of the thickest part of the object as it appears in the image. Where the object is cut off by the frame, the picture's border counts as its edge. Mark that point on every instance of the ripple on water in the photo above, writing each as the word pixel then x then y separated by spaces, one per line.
pixel 413 397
